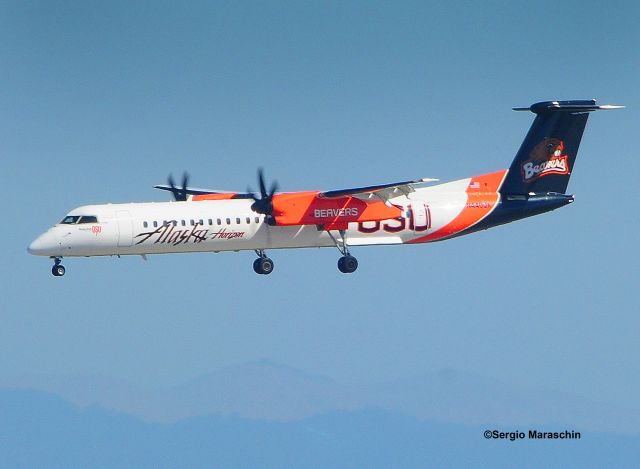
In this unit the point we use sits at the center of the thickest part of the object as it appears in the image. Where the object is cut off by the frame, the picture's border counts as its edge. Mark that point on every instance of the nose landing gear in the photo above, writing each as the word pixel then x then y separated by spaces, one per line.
pixel 58 269
pixel 262 265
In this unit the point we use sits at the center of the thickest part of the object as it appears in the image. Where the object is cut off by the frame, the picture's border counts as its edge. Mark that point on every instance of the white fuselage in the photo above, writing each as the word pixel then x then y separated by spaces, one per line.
pixel 231 225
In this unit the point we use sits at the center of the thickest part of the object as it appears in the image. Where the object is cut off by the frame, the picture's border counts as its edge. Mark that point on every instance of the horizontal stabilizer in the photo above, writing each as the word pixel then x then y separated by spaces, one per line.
pixel 587 105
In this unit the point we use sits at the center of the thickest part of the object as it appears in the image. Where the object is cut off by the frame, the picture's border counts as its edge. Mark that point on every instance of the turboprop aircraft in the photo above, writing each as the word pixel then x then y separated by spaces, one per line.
pixel 406 212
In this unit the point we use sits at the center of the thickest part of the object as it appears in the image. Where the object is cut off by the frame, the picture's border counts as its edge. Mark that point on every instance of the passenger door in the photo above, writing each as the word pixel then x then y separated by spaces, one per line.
pixel 419 217
pixel 125 228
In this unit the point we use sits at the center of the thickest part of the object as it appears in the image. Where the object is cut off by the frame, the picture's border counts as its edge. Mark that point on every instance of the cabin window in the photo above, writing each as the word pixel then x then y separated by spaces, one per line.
pixel 165 223
pixel 210 222
pixel 174 222
pixel 183 223
pixel 248 220
pixel 237 221
pixel 155 224
pixel 88 219
pixel 201 222
pixel 192 222
pixel 145 224
pixel 70 220
pixel 228 221
pixel 257 219
pixel 219 222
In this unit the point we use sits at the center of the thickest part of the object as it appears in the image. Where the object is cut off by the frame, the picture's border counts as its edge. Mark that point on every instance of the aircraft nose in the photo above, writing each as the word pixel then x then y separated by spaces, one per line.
pixel 44 245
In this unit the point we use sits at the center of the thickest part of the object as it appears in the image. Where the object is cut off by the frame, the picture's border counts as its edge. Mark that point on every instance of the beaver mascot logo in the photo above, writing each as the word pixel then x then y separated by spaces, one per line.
pixel 547 157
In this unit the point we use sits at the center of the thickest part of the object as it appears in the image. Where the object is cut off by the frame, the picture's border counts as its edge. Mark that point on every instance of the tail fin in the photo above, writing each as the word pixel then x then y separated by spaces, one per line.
pixel 545 159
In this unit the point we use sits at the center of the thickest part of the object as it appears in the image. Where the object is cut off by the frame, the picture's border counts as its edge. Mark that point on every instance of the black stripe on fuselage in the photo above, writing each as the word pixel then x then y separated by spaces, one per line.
pixel 512 208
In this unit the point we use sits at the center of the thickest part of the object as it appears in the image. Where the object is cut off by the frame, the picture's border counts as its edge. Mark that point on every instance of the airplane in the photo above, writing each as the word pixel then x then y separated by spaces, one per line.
pixel 406 212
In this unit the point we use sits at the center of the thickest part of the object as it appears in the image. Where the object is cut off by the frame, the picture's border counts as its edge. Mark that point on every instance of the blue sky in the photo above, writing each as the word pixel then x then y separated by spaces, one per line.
pixel 102 100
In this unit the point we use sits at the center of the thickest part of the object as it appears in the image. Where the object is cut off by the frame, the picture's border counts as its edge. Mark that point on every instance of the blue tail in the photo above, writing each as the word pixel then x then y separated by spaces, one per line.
pixel 545 160
pixel 537 179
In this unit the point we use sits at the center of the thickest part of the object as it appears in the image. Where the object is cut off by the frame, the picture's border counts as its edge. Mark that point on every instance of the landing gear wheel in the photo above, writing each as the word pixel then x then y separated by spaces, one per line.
pixel 347 264
pixel 266 265
pixel 58 270
pixel 263 266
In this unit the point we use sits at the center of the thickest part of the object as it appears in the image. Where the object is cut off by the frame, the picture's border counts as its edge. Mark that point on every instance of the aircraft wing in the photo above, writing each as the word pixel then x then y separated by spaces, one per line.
pixel 381 191
pixel 198 191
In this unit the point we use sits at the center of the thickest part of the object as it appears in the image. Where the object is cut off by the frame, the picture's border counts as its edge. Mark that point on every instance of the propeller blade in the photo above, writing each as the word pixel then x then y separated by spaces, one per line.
pixel 263 189
pixel 185 183
pixel 264 203
pixel 179 194
pixel 274 188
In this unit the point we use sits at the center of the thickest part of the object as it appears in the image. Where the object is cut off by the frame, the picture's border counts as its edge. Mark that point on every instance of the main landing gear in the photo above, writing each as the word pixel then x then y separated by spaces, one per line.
pixel 262 265
pixel 347 264
pixel 58 269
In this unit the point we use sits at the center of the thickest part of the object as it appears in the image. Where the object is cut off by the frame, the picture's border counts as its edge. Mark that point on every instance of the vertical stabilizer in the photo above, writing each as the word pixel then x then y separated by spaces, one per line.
pixel 545 160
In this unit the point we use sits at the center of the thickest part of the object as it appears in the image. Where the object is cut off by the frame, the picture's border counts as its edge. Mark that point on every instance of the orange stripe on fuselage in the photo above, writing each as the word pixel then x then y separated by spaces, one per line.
pixel 306 208
pixel 482 197
pixel 222 196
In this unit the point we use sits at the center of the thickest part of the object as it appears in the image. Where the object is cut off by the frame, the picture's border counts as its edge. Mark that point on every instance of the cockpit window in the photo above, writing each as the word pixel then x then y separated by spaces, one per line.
pixel 70 220
pixel 73 219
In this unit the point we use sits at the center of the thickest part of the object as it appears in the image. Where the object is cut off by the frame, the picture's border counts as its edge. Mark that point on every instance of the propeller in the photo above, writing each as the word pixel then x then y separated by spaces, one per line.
pixel 263 204
pixel 179 193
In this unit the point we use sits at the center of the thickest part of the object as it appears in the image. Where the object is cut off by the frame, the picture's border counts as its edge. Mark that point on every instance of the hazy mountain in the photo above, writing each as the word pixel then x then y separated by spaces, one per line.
pixel 38 430
pixel 452 396
pixel 268 391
